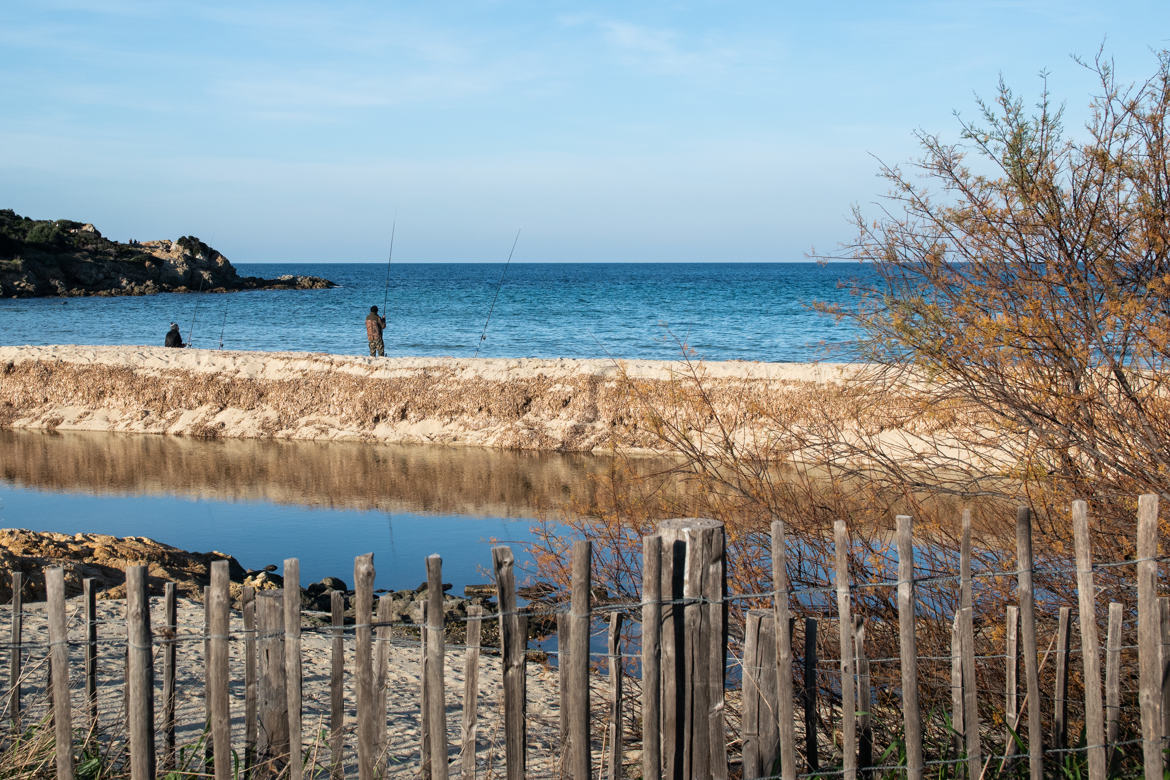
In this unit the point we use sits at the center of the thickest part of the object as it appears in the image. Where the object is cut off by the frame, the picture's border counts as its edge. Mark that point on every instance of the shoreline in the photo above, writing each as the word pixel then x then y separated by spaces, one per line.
pixel 564 405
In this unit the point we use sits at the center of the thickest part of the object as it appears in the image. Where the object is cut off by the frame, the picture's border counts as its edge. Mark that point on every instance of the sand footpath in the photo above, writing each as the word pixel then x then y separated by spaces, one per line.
pixel 535 404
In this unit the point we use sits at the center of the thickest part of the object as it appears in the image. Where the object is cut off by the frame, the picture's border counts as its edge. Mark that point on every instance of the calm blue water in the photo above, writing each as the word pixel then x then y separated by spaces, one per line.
pixel 724 311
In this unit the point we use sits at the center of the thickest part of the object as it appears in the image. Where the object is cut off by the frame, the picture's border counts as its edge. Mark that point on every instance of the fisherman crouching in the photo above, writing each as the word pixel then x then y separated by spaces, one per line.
pixel 374 326
pixel 173 338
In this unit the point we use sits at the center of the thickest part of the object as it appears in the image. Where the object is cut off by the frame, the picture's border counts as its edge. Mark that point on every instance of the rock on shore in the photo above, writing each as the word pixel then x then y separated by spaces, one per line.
pixel 66 258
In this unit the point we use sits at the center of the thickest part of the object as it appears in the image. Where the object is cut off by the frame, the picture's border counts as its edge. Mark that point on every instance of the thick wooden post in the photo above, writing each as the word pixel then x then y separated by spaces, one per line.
pixel 1091 660
pixel 59 673
pixel 292 665
pixel 363 609
pixel 336 689
pixel 580 611
pixel 14 662
pixel 651 648
pixel 141 681
pixel 169 654
pixel 908 647
pixel 471 692
pixel 91 633
pixel 514 643
pixel 272 747
pixel 1026 598
pixel 845 633
pixel 714 592
pixel 761 740
pixel 433 668
pixel 218 609
pixel 1149 636
pixel 781 618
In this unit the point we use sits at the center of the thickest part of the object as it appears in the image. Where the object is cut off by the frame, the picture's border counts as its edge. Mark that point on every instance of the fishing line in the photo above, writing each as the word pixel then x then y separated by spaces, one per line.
pixel 191 331
pixel 499 284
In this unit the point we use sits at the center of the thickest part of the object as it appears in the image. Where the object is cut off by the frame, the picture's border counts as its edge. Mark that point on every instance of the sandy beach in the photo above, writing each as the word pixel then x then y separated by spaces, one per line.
pixel 535 404
pixel 400 755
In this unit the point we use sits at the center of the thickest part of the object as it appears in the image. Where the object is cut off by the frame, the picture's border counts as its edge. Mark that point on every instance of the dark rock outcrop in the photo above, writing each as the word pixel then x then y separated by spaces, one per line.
pixel 41 258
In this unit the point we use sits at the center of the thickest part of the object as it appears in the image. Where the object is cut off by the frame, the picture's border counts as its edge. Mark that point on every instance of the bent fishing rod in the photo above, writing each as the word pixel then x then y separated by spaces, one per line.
pixel 499 284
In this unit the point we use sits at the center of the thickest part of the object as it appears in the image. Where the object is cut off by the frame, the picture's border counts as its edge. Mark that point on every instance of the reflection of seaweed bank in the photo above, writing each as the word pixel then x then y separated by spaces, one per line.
pixel 564 405
pixel 339 475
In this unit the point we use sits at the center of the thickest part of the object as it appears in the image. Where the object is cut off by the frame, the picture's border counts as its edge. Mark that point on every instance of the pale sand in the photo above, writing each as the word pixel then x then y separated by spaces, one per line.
pixel 562 404
pixel 402 732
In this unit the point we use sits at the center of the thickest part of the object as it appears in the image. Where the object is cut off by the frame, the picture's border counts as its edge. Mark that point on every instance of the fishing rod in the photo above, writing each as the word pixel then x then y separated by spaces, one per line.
pixel 191 330
pixel 499 284
pixel 223 326
pixel 390 259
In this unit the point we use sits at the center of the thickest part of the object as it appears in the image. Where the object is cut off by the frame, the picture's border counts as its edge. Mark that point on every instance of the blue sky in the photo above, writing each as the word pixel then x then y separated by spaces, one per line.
pixel 606 131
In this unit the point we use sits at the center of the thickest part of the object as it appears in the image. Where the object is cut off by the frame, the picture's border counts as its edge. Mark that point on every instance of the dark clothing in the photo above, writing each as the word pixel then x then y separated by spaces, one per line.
pixel 374 326
pixel 174 339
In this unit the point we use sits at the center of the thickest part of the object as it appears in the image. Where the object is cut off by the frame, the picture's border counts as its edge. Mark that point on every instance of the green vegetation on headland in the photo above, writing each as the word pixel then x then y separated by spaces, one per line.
pixel 63 257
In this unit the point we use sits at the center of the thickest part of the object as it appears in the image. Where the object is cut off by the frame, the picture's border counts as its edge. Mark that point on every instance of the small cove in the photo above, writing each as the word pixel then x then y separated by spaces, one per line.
pixel 323 502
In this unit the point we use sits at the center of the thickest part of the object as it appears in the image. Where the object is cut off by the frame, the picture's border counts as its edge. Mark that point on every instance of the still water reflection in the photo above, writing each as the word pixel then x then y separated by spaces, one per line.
pixel 263 501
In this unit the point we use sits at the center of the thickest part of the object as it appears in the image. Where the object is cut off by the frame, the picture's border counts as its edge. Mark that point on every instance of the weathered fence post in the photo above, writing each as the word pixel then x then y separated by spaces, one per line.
pixel 864 700
pixel 1087 601
pixel 1011 685
pixel 141 679
pixel 513 644
pixel 1149 636
pixel 958 710
pixel 808 695
pixel 218 609
pixel 248 604
pixel 651 648
pixel 1026 597
pixel 292 665
pixel 336 689
pixel 761 741
pixel 781 618
pixel 970 687
pixel 17 651
pixel 272 747
pixel 1164 621
pixel 845 633
pixel 59 672
pixel 908 647
pixel 580 762
pixel 471 692
pixel 1060 683
pixel 1113 679
pixel 363 610
pixel 433 668
pixel 615 696
pixel 169 654
pixel 91 633
pixel 382 636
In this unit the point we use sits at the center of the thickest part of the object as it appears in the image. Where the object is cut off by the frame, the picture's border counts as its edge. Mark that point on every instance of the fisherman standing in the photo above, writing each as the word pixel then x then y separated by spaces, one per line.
pixel 173 338
pixel 375 323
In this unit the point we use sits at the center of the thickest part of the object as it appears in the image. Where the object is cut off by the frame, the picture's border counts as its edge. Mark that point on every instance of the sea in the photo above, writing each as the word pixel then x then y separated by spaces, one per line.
pixel 264 501
pixel 712 311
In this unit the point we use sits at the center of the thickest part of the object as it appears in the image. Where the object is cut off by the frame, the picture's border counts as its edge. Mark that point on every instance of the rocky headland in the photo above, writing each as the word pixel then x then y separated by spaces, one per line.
pixel 46 258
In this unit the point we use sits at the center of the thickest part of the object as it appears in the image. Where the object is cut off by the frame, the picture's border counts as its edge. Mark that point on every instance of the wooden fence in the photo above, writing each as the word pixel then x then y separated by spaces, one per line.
pixel 679 720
